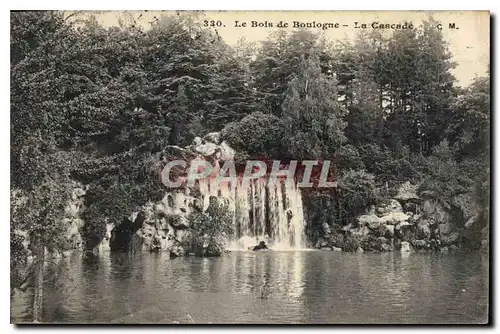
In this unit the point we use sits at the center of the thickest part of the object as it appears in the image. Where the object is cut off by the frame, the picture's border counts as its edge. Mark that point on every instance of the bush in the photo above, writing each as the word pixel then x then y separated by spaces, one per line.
pixel 351 243
pixel 211 230
pixel 257 134
pixel 357 191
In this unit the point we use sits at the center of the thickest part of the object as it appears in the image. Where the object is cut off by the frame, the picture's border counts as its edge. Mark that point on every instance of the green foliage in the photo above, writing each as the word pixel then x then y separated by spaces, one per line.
pixel 312 117
pixel 350 243
pixel 442 177
pixel 211 229
pixel 193 76
pixel 469 132
pixel 357 191
pixel 257 134
pixel 348 157
pixel 18 257
pixel 30 29
pixel 278 60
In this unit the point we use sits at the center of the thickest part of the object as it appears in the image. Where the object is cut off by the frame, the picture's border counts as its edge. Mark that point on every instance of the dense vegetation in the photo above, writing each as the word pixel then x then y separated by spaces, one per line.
pixel 97 105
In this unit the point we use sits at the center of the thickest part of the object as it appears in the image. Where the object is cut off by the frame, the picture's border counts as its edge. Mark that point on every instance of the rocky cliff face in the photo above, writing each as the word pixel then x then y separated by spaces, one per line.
pixel 156 226
pixel 71 222
pixel 72 216
pixel 164 225
pixel 409 222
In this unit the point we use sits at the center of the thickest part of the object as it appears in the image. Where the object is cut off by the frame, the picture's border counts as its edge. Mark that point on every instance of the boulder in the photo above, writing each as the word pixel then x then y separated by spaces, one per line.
pixel 466 204
pixel 389 231
pixel 405 246
pixel 387 207
pixel 182 235
pixel 197 204
pixel 177 203
pixel 336 240
pixel 176 250
pixel 336 249
pixel 405 231
pixel 394 218
pixel 350 243
pixel 326 248
pixel 207 149
pixel 197 141
pixel 361 231
pixel 420 244
pixel 159 209
pixel 162 224
pixel 326 228
pixel 372 221
pixel 385 248
pixel 378 230
pixel 423 231
pixel 413 218
pixel 347 228
pixel 226 152
pixel 407 191
pixel 213 137
pixel 170 152
pixel 435 233
pixel 376 244
pixel 178 221
pixel 436 210
pixel 77 193
pixel 72 209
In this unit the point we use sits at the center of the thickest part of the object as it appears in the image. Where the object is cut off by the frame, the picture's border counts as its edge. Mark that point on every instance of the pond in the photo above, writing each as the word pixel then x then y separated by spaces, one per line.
pixel 312 287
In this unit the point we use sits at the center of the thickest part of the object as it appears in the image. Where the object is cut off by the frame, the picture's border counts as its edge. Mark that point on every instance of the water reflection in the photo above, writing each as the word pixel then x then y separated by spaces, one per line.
pixel 266 287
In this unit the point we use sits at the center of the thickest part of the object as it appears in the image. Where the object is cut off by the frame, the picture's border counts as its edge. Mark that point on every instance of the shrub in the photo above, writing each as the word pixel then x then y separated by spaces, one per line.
pixel 357 191
pixel 257 134
pixel 211 229
pixel 351 243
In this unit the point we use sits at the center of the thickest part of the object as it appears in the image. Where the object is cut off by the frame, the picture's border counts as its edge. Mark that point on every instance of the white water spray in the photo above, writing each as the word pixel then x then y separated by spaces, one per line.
pixel 263 211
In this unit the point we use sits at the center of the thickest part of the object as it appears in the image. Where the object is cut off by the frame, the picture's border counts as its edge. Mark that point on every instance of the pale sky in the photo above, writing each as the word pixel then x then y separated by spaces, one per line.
pixel 469 44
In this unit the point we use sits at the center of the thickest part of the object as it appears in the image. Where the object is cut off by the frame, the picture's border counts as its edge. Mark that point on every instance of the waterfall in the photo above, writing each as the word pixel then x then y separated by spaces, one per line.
pixel 263 211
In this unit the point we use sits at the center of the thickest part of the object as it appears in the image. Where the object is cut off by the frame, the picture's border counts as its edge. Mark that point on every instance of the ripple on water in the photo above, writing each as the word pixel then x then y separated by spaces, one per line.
pixel 268 287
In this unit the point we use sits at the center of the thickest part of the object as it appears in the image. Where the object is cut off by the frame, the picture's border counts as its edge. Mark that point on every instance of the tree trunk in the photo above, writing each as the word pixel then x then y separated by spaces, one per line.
pixel 38 283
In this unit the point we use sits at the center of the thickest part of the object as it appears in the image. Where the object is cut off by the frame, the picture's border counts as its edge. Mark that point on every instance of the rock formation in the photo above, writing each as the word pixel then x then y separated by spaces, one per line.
pixel 426 224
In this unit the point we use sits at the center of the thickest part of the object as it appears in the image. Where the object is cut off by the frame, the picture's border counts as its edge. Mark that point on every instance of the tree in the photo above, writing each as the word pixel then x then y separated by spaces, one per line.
pixel 469 128
pixel 277 61
pixel 420 87
pixel 39 171
pixel 193 77
pixel 361 87
pixel 312 117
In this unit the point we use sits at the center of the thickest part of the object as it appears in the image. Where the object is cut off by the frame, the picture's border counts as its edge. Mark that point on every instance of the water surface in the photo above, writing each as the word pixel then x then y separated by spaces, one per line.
pixel 266 287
